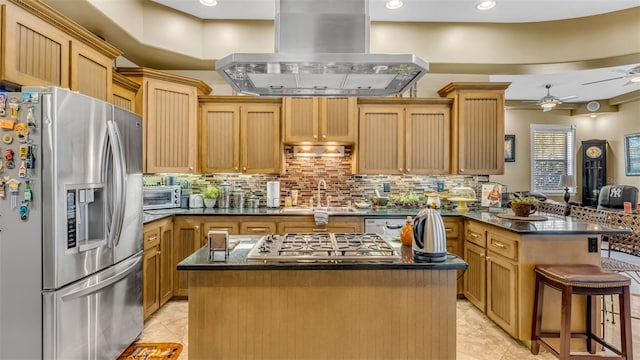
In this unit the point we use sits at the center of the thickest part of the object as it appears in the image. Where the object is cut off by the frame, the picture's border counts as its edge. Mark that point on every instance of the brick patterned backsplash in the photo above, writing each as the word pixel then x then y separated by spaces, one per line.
pixel 303 174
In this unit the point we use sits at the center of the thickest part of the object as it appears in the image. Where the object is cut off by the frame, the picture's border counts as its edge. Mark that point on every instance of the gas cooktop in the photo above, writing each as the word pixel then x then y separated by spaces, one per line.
pixel 325 247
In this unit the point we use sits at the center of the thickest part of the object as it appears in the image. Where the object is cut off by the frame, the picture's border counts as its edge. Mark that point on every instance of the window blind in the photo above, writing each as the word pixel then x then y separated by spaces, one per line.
pixel 552 155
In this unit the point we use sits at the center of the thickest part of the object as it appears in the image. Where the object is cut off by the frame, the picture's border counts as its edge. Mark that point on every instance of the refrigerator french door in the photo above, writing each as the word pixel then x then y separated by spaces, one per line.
pixel 71 247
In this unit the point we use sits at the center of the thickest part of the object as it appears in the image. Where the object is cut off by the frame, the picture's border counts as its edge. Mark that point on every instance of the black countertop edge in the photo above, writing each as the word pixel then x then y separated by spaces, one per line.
pixel 237 260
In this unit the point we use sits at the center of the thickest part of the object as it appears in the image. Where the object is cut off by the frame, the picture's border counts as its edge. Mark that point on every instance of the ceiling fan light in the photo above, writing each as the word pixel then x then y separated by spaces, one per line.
pixel 548 105
pixel 635 79
pixel 394 4
pixel 209 2
pixel 486 5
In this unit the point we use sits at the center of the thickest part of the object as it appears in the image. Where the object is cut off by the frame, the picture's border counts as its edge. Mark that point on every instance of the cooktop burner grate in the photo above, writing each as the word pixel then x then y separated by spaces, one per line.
pixel 303 247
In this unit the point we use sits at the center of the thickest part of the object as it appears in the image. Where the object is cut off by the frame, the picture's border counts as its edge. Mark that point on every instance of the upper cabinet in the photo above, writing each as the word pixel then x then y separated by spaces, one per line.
pixel 404 136
pixel 124 92
pixel 43 48
pixel 240 134
pixel 319 120
pixel 169 107
pixel 477 131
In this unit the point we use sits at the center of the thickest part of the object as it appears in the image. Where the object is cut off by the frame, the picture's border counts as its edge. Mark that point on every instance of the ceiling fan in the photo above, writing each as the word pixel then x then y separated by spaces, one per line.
pixel 548 102
pixel 632 74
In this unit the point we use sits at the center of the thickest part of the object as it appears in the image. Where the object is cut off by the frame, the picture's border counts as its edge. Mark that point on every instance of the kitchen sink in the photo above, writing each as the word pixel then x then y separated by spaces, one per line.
pixel 339 210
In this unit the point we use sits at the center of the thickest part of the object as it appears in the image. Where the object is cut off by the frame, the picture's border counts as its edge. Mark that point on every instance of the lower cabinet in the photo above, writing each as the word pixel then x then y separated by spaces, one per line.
pixel 187 239
pixel 157 265
pixel 453 229
pixel 491 279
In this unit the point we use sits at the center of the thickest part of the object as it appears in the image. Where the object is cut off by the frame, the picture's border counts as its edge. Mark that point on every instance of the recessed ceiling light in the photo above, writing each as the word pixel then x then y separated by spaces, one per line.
pixel 394 4
pixel 209 2
pixel 486 5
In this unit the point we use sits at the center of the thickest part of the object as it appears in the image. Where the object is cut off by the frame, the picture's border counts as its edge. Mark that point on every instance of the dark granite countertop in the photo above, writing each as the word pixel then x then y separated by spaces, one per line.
pixel 554 224
pixel 238 260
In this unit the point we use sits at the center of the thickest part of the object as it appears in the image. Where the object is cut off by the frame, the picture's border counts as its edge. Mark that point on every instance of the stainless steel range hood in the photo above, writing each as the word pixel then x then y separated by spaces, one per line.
pixel 322 49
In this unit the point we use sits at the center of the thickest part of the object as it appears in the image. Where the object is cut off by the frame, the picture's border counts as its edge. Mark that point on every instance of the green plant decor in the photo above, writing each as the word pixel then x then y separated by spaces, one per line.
pixel 211 192
pixel 518 198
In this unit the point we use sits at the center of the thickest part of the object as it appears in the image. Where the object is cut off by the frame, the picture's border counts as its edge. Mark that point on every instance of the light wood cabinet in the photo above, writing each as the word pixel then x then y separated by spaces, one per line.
pixel 491 280
pixel 41 47
pixel 240 135
pixel 124 92
pixel 157 265
pixel 502 283
pixel 186 240
pixel 453 230
pixel 151 270
pixel 477 130
pixel 319 120
pixel 166 262
pixel 257 227
pixel 410 138
pixel 500 277
pixel 169 107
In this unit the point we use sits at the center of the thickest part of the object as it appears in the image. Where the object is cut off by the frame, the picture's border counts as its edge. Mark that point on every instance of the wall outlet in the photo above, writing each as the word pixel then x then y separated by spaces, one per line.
pixel 386 187
pixel 593 244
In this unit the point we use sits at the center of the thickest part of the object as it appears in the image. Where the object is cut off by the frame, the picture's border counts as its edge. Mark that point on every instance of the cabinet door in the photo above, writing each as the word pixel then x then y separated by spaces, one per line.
pixel 301 119
pixel 151 281
pixel 381 140
pixel 257 228
pixel 123 92
pixel 186 240
pixel 481 133
pixel 474 277
pixel 260 138
pixel 427 140
pixel 502 299
pixel 170 125
pixel 90 72
pixel 338 119
pixel 166 263
pixel 220 138
pixel 35 53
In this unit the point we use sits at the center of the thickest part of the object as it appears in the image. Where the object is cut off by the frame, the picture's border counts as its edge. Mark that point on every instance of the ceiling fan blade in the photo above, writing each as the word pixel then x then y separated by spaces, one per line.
pixel 599 81
pixel 568 97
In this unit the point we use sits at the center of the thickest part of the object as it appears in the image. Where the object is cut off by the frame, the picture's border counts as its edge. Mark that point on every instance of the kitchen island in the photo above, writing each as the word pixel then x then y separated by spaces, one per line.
pixel 396 309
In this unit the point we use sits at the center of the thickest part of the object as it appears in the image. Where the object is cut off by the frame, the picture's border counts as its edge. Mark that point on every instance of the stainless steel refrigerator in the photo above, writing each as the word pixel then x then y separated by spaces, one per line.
pixel 70 241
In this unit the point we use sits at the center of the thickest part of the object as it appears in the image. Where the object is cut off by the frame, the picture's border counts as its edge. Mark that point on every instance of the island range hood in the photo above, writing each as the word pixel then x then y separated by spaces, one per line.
pixel 322 49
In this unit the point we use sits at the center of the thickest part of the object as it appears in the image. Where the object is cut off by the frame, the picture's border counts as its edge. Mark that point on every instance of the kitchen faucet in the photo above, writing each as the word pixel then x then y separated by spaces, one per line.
pixel 324 183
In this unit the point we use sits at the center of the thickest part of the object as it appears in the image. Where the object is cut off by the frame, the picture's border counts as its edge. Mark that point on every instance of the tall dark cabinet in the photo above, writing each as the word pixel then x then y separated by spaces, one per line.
pixel 594 170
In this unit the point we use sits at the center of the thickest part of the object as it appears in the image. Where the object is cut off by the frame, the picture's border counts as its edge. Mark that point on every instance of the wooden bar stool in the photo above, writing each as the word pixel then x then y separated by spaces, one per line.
pixel 586 280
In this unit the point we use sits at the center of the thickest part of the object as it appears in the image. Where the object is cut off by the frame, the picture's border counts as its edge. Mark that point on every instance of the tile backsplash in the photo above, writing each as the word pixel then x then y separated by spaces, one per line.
pixel 303 174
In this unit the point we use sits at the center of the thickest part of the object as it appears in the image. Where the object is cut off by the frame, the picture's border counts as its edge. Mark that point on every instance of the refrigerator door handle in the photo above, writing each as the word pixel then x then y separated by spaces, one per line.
pixel 104 283
pixel 120 202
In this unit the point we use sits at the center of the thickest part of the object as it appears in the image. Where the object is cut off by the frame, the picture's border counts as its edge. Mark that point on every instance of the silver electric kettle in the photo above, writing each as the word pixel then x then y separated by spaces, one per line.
pixel 429 237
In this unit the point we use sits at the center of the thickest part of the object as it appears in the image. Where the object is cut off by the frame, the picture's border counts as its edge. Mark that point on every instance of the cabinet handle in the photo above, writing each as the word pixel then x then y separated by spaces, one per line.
pixel 244 169
pixel 320 229
pixel 190 168
pixel 481 255
pixel 500 245
pixel 153 238
pixel 488 258
pixel 324 136
pixel 400 169
pixel 158 253
pixel 258 229
pixel 235 168
pixel 448 230
pixel 461 169
pixel 408 170
pixel 315 137
pixel 197 227
pixel 474 235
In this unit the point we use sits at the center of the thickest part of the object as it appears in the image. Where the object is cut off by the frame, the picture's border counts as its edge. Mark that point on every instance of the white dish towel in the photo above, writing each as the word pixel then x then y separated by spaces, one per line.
pixel 321 216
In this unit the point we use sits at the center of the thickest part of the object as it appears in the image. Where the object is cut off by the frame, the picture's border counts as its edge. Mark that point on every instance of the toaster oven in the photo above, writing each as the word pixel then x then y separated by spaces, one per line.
pixel 161 197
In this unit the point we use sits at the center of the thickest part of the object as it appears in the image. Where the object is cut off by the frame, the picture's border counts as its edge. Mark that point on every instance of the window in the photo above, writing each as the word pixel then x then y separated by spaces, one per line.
pixel 552 155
